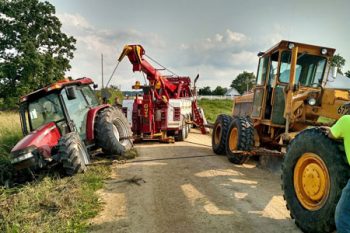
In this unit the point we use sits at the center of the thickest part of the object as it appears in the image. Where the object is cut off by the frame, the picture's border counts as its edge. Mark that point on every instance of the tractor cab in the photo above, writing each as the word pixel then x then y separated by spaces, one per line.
pixel 65 103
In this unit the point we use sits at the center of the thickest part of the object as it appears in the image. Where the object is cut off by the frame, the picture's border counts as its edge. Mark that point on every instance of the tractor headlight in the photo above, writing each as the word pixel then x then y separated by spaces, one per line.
pixel 311 101
pixel 22 157
pixel 290 45
pixel 323 51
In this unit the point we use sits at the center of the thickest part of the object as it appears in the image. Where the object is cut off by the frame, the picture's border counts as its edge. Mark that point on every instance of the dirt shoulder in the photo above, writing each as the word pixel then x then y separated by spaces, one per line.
pixel 185 187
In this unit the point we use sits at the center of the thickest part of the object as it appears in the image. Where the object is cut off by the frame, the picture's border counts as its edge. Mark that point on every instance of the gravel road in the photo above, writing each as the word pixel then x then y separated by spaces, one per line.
pixel 185 187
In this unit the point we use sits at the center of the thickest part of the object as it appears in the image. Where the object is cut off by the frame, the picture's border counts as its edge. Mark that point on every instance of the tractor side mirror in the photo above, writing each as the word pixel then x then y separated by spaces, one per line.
pixel 334 70
pixel 95 86
pixel 71 93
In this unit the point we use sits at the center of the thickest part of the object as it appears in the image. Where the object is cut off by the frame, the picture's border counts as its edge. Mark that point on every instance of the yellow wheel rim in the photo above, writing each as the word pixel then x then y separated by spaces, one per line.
pixel 233 140
pixel 217 134
pixel 311 181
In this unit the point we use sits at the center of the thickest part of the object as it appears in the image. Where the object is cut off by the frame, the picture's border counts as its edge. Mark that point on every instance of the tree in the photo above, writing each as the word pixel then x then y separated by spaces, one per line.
pixel 243 82
pixel 219 91
pixel 33 50
pixel 204 91
pixel 338 61
pixel 347 73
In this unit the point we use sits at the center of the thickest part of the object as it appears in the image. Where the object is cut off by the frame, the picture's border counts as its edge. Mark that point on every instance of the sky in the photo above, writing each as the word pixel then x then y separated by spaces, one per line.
pixel 215 39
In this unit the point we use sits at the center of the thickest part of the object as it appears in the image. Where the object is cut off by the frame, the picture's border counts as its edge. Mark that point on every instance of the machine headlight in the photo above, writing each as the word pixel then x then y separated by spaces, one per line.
pixel 290 45
pixel 311 101
pixel 22 157
pixel 323 51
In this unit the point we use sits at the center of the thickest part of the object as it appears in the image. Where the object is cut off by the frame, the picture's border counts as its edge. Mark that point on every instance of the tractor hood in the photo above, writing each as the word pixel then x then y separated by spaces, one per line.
pixel 42 140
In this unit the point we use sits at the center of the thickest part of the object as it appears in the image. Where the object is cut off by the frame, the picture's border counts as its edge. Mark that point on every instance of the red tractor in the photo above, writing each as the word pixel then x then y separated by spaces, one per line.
pixel 168 106
pixel 63 122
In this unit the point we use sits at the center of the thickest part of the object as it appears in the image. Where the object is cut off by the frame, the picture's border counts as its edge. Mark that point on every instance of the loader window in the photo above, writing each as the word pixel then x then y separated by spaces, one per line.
pixel 262 71
pixel 309 69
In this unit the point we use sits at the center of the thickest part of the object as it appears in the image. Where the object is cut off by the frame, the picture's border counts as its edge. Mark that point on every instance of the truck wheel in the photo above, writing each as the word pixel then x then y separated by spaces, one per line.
pixel 72 154
pixel 220 132
pixel 314 172
pixel 113 132
pixel 240 137
pixel 182 132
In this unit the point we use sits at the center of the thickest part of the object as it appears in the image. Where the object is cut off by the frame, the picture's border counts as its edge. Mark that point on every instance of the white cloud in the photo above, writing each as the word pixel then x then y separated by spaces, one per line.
pixel 92 42
pixel 218 59
pixel 244 58
pixel 235 36
pixel 74 20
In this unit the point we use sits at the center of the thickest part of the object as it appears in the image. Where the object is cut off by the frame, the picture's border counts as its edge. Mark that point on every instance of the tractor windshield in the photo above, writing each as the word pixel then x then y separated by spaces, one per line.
pixel 309 69
pixel 45 110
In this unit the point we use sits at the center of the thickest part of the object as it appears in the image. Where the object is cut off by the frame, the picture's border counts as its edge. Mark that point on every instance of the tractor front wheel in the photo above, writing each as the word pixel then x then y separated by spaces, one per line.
pixel 240 138
pixel 72 154
pixel 112 130
pixel 314 172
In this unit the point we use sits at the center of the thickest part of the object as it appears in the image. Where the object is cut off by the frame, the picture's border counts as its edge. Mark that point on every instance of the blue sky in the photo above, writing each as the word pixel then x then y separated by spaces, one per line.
pixel 217 39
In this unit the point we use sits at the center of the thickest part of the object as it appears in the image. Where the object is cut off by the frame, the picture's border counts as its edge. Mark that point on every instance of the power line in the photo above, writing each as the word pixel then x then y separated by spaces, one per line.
pixel 112 74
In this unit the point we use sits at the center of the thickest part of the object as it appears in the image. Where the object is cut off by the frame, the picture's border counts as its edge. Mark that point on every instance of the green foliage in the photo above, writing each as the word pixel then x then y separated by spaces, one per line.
pixel 347 73
pixel 338 61
pixel 33 50
pixel 204 91
pixel 113 93
pixel 243 82
pixel 212 108
pixel 219 91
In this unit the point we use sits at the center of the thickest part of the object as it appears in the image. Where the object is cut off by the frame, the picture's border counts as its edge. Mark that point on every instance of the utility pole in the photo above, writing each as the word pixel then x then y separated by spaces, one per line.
pixel 102 69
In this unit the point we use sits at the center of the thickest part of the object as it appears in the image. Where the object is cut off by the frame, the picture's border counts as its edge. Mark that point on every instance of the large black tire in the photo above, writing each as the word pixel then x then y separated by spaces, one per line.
pixel 181 136
pixel 113 132
pixel 220 132
pixel 300 156
pixel 72 154
pixel 240 137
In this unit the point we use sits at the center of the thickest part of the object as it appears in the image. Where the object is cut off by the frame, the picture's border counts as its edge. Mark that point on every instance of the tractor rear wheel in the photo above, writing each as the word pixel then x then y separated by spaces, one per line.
pixel 240 138
pixel 113 132
pixel 314 172
pixel 72 154
pixel 220 133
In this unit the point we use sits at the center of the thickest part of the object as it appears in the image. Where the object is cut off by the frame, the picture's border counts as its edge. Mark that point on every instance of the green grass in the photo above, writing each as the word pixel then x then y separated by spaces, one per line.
pixel 212 108
pixel 52 204
pixel 10 134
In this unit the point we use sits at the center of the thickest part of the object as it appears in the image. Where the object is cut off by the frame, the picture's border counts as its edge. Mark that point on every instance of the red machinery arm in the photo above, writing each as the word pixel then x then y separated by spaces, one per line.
pixel 135 54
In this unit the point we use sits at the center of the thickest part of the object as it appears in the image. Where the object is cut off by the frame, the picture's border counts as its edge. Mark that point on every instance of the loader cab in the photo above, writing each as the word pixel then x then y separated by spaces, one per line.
pixel 276 75
pixel 67 107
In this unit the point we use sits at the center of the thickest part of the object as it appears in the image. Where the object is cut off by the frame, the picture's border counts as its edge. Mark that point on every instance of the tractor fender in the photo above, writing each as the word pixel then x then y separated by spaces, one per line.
pixel 90 121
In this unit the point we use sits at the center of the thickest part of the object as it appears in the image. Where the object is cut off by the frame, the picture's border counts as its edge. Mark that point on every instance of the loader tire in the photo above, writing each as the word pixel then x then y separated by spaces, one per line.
pixel 72 154
pixel 240 137
pixel 314 172
pixel 113 132
pixel 220 133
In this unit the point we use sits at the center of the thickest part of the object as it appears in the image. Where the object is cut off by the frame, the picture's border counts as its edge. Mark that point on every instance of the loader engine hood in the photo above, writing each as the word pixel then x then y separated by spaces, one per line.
pixel 41 140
